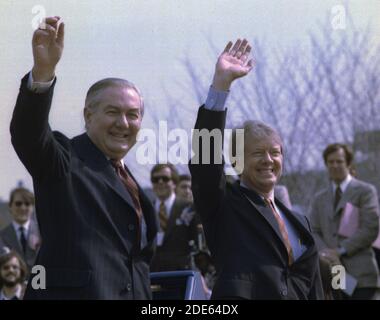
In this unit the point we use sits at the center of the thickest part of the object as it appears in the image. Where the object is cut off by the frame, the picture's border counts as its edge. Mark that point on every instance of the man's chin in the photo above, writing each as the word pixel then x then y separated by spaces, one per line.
pixel 10 283
pixel 117 152
pixel 268 185
pixel 269 181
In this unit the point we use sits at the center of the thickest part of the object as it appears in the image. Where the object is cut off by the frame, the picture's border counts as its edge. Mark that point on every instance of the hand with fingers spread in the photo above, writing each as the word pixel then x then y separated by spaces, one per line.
pixel 232 64
pixel 47 46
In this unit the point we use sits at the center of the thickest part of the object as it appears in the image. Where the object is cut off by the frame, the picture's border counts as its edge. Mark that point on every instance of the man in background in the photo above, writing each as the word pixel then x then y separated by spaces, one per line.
pixel 344 196
pixel 22 233
pixel 178 222
pixel 183 188
pixel 13 273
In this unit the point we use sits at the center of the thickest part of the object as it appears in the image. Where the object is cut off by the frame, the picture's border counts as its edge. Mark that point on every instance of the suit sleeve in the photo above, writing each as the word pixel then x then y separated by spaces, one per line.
pixel 315 221
pixel 208 179
pixel 368 222
pixel 31 136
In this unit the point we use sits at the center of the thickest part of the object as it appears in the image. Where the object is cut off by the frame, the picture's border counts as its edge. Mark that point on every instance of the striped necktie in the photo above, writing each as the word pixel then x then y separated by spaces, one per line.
pixel 132 189
pixel 163 216
pixel 283 230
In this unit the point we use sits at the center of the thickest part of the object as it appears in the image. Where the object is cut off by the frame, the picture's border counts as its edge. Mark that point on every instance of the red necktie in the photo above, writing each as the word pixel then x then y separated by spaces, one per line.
pixel 283 231
pixel 133 190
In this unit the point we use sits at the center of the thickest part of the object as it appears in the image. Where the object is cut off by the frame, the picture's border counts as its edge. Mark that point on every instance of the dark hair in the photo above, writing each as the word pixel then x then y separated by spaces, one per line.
pixel 331 148
pixel 5 258
pixel 160 166
pixel 24 193
pixel 184 177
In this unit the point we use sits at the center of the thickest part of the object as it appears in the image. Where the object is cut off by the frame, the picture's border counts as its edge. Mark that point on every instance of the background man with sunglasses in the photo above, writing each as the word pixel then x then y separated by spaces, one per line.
pixel 178 222
pixel 22 233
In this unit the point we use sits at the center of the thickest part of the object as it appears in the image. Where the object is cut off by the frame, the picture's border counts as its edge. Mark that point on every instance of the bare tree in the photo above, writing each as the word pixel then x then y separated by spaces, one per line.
pixel 313 95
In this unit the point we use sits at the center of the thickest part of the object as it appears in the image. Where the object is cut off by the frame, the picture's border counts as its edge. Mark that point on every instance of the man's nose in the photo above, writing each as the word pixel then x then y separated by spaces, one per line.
pixel 122 121
pixel 267 157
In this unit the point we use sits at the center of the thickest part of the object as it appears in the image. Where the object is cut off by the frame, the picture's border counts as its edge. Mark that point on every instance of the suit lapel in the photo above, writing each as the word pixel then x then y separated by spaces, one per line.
pixel 328 202
pixel 267 213
pixel 302 227
pixel 148 212
pixel 99 164
pixel 257 202
pixel 10 238
pixel 172 218
pixel 96 160
pixel 346 196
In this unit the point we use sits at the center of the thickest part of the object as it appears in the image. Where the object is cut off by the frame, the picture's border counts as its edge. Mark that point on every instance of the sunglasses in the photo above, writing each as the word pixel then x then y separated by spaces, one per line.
pixel 157 179
pixel 20 203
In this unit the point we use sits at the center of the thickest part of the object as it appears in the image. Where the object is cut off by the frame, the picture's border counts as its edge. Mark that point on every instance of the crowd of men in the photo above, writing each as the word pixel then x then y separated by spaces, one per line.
pixel 99 235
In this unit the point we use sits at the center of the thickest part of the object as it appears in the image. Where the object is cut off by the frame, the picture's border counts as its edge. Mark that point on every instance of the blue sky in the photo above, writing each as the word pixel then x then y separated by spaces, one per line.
pixel 143 41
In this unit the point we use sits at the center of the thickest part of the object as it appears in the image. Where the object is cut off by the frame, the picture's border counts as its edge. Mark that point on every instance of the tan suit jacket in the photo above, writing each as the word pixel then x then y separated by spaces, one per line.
pixel 360 260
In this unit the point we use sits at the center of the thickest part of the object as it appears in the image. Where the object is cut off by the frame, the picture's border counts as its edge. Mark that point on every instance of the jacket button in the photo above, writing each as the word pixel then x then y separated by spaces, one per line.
pixel 131 227
pixel 129 287
pixel 284 292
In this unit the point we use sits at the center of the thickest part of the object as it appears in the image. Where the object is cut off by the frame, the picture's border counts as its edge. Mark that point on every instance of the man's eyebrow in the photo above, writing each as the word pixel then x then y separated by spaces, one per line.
pixel 110 106
pixel 133 108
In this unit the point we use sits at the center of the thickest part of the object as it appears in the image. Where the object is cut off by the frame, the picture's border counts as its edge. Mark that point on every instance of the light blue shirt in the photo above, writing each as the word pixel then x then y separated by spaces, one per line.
pixel 216 100
pixel 294 237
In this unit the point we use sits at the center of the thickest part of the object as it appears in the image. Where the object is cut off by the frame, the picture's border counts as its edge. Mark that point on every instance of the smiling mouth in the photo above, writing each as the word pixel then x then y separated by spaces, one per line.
pixel 265 170
pixel 119 135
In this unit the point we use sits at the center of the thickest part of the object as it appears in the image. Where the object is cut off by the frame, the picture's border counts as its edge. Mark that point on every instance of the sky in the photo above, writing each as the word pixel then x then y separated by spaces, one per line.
pixel 144 42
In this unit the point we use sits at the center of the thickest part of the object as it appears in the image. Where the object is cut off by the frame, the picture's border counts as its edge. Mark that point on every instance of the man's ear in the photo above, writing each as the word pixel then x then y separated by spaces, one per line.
pixel 87 115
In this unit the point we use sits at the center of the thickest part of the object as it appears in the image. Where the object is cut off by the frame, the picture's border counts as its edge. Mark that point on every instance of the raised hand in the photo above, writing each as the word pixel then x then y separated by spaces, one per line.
pixel 47 46
pixel 232 64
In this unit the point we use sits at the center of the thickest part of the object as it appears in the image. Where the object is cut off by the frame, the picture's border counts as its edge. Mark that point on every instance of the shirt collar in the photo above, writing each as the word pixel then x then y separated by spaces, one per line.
pixel 17 226
pixel 17 294
pixel 271 195
pixel 168 203
pixel 343 185
pixel 121 160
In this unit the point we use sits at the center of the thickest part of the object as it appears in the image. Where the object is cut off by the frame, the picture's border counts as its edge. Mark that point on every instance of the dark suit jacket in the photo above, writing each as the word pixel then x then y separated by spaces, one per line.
pixel 9 239
pixel 244 238
pixel 174 253
pixel 86 216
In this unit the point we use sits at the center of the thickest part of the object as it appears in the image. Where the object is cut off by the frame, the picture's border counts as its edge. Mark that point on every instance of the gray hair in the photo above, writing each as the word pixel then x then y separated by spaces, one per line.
pixel 258 130
pixel 254 130
pixel 110 82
